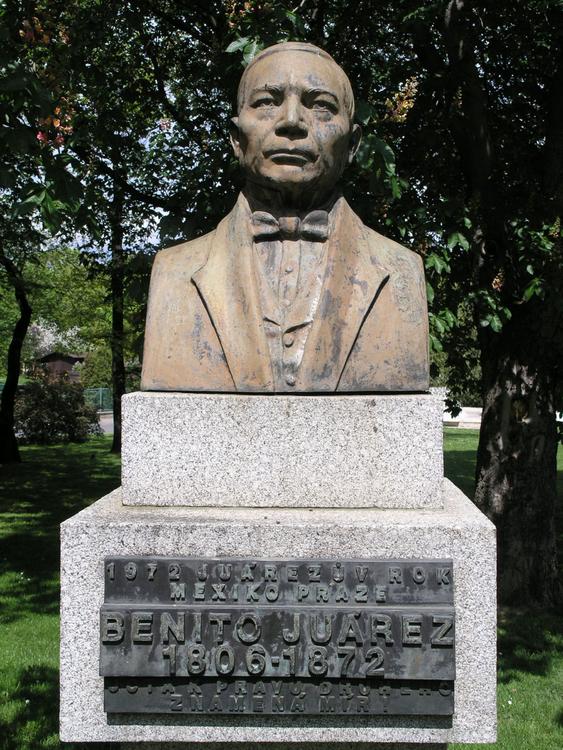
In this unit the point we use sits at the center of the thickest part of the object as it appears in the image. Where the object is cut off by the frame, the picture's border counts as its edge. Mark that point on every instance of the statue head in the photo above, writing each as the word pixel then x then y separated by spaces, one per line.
pixel 294 133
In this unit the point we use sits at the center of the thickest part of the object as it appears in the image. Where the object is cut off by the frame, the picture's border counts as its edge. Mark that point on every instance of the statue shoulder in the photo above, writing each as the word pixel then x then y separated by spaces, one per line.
pixel 395 257
pixel 406 283
pixel 184 258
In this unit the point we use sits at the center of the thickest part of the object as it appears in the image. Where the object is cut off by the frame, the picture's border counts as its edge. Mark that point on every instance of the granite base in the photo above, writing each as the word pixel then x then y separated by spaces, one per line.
pixel 195 449
pixel 458 531
pixel 279 746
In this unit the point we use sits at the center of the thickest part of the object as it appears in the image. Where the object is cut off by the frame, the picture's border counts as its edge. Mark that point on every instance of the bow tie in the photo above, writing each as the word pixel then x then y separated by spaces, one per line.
pixel 313 227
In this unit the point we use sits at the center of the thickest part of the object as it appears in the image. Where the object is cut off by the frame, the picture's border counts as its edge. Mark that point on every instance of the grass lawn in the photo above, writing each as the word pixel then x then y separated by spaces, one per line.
pixel 50 485
pixel 55 482
pixel 530 644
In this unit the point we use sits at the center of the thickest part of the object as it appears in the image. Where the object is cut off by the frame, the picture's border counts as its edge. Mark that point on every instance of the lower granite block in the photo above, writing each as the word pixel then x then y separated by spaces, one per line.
pixel 458 531
pixel 281 746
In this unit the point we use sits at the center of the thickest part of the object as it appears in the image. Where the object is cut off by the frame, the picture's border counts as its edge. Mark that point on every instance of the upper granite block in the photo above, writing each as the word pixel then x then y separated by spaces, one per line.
pixel 370 451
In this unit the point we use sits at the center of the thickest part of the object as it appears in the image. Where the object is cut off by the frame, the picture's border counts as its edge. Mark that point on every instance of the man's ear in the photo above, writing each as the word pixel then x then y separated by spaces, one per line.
pixel 234 136
pixel 355 140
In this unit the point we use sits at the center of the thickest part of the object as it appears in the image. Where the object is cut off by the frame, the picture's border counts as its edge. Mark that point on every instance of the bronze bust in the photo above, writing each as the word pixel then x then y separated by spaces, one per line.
pixel 291 292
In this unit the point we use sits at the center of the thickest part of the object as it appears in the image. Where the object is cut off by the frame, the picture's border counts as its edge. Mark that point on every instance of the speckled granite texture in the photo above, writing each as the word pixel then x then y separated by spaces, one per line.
pixel 279 746
pixel 375 451
pixel 458 531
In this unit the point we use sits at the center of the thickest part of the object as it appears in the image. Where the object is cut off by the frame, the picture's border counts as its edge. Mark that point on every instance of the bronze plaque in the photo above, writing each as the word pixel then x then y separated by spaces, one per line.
pixel 255 636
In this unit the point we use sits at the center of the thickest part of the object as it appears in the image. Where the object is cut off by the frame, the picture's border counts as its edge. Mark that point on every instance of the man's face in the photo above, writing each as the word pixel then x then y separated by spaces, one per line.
pixel 293 133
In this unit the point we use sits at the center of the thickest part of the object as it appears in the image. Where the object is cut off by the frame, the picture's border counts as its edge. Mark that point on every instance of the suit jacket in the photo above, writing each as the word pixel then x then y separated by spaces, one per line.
pixel 205 330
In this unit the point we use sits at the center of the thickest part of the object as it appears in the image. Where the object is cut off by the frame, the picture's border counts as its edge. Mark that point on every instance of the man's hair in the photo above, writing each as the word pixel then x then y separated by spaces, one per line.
pixel 298 47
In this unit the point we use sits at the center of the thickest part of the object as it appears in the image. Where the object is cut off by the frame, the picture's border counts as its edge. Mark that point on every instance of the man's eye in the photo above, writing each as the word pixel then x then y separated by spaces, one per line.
pixel 324 105
pixel 264 102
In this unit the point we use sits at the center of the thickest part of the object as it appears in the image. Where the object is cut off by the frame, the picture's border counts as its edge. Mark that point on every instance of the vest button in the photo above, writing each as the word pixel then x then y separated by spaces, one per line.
pixel 288 339
pixel 290 379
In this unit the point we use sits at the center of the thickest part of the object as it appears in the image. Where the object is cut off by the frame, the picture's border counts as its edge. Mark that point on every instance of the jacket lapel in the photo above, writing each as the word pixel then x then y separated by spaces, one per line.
pixel 227 285
pixel 353 279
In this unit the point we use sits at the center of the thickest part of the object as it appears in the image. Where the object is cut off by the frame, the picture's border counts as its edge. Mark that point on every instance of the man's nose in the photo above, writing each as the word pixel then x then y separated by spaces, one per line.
pixel 291 121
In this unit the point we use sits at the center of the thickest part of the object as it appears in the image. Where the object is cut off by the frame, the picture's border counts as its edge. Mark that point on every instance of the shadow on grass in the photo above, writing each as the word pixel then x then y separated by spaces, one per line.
pixel 34 722
pixel 51 484
pixel 459 467
pixel 460 457
pixel 528 641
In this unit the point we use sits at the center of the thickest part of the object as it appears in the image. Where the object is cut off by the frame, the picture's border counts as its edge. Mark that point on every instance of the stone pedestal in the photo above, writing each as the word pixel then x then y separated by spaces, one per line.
pixel 377 451
pixel 454 530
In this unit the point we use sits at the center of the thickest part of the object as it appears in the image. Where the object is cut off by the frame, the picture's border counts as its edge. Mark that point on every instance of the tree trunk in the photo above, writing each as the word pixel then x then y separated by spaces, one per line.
pixel 516 459
pixel 516 466
pixel 9 452
pixel 117 294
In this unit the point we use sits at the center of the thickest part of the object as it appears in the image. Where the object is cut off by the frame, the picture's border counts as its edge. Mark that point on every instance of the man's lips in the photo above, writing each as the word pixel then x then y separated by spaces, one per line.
pixel 296 156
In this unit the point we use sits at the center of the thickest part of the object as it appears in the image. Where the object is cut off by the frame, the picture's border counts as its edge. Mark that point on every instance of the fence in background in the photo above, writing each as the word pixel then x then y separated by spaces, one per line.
pixel 99 397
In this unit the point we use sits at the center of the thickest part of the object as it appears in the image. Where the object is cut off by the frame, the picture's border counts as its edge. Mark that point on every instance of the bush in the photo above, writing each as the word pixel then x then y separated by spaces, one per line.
pixel 50 411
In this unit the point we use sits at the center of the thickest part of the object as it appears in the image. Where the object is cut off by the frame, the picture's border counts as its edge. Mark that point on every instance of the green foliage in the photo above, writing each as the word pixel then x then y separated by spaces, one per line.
pixel 460 366
pixel 95 372
pixel 147 91
pixel 37 176
pixel 71 309
pixel 376 162
pixel 50 411
pixel 72 312
pixel 249 48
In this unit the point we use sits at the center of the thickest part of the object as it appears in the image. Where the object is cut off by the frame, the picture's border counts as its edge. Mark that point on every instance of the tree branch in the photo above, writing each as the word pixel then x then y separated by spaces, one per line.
pixel 171 204
pixel 425 49
pixel 317 19
pixel 471 129
pixel 553 149
pixel 8 442
pixel 168 105
pixel 466 107
pixel 178 23
pixel 14 274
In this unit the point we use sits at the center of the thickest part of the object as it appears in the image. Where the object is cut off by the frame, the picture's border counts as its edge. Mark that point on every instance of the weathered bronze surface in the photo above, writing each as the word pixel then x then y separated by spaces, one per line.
pixel 379 633
pixel 278 697
pixel 291 292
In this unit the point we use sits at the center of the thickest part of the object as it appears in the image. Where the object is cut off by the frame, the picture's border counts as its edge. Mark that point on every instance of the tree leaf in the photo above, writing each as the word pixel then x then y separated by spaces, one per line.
pixel 379 146
pixel 250 51
pixel 364 111
pixel 434 261
pixel 36 197
pixel 238 44
pixel 533 288
pixel 295 21
pixel 435 344
pixel 457 238
pixel 496 323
